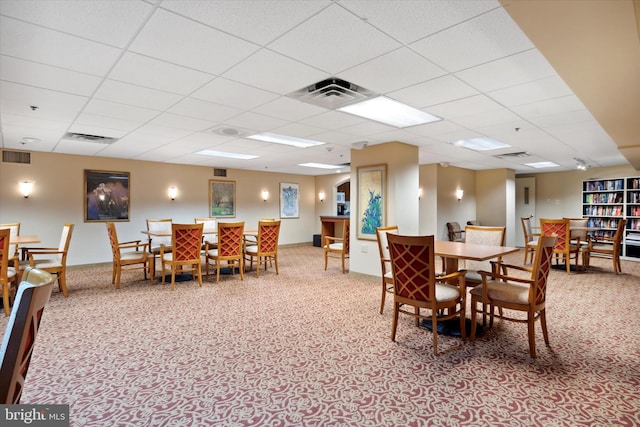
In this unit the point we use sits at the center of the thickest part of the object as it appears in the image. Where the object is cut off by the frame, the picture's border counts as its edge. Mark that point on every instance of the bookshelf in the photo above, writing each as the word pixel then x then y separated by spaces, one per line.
pixel 606 201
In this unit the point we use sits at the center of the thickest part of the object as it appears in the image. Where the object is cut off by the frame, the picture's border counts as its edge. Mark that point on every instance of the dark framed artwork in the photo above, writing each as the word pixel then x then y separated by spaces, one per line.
pixel 289 200
pixel 372 199
pixel 222 198
pixel 106 196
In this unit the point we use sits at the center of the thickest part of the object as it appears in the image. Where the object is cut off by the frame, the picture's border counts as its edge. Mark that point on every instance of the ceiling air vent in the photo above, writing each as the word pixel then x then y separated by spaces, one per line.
pixel 331 93
pixel 89 138
pixel 512 155
pixel 16 157
pixel 219 172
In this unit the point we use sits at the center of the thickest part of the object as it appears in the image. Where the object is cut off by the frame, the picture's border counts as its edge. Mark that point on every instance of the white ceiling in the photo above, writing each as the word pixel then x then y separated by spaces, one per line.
pixel 169 77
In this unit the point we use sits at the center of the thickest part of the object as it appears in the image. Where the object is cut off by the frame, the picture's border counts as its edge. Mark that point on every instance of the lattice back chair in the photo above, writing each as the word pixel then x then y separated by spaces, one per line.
pixel 607 247
pixel 385 261
pixel 530 239
pixel 456 234
pixel 21 331
pixel 184 252
pixel 8 270
pixel 415 285
pixel 130 255
pixel 560 227
pixel 481 235
pixel 162 227
pixel 517 293
pixel 229 249
pixel 337 246
pixel 14 228
pixel 52 260
pixel 267 247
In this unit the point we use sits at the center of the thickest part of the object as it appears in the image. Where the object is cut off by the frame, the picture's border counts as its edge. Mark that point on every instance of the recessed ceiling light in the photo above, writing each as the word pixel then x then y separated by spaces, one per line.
pixel 226 154
pixel 539 165
pixel 319 165
pixel 284 139
pixel 480 144
pixel 390 112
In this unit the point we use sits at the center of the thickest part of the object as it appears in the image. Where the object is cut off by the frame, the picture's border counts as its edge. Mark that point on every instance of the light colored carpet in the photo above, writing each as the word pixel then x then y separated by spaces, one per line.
pixel 309 348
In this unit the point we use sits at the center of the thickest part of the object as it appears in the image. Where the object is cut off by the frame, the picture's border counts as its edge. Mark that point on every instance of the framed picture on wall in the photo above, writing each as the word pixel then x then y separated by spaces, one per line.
pixel 289 200
pixel 106 196
pixel 222 198
pixel 372 199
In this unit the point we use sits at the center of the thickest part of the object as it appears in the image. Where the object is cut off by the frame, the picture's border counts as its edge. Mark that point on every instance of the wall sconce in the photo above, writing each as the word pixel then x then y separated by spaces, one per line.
pixel 459 194
pixel 321 196
pixel 173 192
pixel 265 195
pixel 419 193
pixel 26 187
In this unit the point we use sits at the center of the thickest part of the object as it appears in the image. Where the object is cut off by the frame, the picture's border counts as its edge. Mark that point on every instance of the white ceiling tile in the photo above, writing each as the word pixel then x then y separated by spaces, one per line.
pixel 258 122
pixel 298 130
pixel 550 107
pixel 465 107
pixel 190 44
pixel 203 110
pixel 52 105
pixel 13 137
pixel 479 40
pixel 486 119
pixel 259 21
pixel 435 128
pixel 120 111
pixel 289 109
pixel 433 92
pixel 116 127
pixel 274 72
pixel 238 95
pixel 514 70
pixel 181 122
pixel 152 73
pixel 33 43
pixel 59 126
pixel 332 41
pixel 535 91
pixel 332 120
pixel 383 74
pixel 125 93
pixel 81 148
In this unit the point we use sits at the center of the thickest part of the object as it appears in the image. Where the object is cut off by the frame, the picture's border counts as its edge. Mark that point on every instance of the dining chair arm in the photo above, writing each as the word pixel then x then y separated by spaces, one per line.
pixel 43 251
pixel 459 275
pixel 134 244
pixel 334 239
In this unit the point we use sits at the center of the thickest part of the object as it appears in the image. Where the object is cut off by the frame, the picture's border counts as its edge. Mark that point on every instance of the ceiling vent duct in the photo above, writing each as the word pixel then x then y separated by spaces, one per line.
pixel 89 138
pixel 219 172
pixel 332 93
pixel 518 154
pixel 16 157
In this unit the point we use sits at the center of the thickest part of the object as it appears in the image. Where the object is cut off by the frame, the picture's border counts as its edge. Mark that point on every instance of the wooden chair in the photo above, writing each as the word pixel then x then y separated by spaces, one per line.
pixel 456 234
pixel 184 252
pixel 385 261
pixel 55 260
pixel 209 229
pixel 415 284
pixel 266 248
pixel 337 246
pixel 21 331
pixel 229 248
pixel 560 227
pixel 482 235
pixel 163 228
pixel 8 275
pixel 517 293
pixel 530 239
pixel 131 255
pixel 14 228
pixel 578 230
pixel 607 247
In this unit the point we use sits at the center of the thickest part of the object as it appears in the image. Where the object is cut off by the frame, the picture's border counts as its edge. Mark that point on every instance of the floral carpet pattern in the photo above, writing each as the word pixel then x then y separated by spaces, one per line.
pixel 308 347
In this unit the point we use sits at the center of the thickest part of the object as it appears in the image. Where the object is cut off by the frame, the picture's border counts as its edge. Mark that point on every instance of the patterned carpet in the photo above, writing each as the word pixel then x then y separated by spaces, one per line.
pixel 309 348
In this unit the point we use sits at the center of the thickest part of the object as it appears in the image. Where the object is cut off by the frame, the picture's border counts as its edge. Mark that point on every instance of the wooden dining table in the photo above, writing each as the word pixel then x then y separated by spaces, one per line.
pixel 452 252
pixel 24 240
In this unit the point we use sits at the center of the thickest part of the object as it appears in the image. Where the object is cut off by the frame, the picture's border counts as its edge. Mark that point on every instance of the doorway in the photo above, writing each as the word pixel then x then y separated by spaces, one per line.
pixel 343 198
pixel 525 205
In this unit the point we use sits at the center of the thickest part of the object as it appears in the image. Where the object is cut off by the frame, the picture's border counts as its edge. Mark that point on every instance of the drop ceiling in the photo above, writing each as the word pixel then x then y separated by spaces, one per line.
pixel 173 77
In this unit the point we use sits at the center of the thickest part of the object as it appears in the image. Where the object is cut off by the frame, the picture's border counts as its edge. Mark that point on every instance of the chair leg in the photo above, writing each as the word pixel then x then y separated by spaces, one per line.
pixel 173 277
pixel 543 324
pixel 434 326
pixel 394 323
pixel 474 313
pixel 62 282
pixel 5 299
pixel 198 269
pixel 118 276
pixel 384 295
pixel 275 261
pixel 532 334
pixel 343 270
pixel 326 260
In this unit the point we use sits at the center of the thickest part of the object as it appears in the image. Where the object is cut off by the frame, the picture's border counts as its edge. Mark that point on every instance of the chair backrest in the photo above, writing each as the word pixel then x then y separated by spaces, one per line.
pixel 526 229
pixel 160 226
pixel 559 227
pixel 413 266
pixel 575 232
pixel 113 239
pixel 14 228
pixel 20 334
pixel 230 235
pixel 4 255
pixel 63 247
pixel 268 234
pixel 186 241
pixel 346 229
pixel 540 269
pixel 617 238
pixel 383 246
pixel 483 235
pixel 208 224
pixel 455 232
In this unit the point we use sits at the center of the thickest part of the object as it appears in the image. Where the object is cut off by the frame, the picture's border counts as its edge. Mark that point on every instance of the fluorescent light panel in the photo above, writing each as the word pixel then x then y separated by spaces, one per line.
pixel 539 165
pixel 390 112
pixel 284 139
pixel 480 144
pixel 319 165
pixel 226 154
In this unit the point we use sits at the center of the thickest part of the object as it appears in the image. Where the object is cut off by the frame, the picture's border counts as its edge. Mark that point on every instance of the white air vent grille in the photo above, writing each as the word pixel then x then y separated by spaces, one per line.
pixel 16 157
pixel 332 93
pixel 512 155
pixel 89 138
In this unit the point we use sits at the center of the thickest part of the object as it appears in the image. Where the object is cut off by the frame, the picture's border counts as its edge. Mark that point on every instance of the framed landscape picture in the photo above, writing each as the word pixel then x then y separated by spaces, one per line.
pixel 289 200
pixel 106 196
pixel 372 199
pixel 222 198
